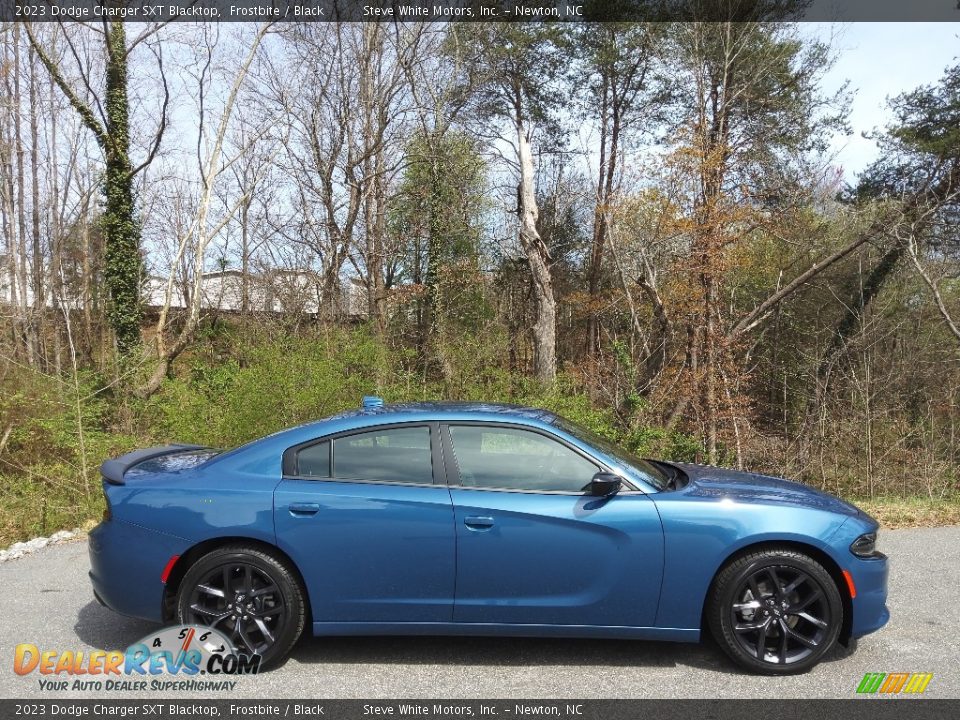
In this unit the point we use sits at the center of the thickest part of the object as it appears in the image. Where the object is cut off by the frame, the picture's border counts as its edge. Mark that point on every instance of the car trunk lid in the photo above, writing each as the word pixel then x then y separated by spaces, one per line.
pixel 160 459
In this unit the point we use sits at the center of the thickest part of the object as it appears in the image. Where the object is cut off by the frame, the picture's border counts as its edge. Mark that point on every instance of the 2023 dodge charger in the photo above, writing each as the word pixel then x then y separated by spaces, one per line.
pixel 477 519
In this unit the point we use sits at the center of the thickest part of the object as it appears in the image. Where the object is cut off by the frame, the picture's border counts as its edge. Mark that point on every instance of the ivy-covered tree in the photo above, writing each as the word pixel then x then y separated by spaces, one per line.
pixel 439 215
pixel 110 125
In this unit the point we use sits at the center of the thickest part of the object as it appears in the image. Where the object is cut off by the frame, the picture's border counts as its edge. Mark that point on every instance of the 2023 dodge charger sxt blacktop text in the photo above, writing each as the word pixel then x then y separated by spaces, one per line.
pixel 467 518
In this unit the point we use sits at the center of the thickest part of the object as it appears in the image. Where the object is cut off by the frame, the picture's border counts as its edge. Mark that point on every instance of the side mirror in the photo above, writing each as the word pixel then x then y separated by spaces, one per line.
pixel 605 484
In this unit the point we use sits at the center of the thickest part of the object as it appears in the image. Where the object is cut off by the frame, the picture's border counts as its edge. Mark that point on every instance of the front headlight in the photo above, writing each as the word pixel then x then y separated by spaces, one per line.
pixel 865 546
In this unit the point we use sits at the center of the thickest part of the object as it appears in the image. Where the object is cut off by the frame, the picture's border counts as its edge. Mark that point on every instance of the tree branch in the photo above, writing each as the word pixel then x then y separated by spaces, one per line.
pixel 759 314
pixel 163 117
pixel 935 291
pixel 86 114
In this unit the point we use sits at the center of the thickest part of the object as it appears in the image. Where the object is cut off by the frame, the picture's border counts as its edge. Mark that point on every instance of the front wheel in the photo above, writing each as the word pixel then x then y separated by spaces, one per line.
pixel 775 611
pixel 248 595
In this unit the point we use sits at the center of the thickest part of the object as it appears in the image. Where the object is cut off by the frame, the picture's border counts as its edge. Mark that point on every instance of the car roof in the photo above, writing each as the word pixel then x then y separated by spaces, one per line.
pixel 440 410
pixel 263 456
pixel 258 455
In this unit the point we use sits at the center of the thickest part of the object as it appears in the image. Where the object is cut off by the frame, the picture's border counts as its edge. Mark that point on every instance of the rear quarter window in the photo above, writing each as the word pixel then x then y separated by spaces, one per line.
pixel 314 461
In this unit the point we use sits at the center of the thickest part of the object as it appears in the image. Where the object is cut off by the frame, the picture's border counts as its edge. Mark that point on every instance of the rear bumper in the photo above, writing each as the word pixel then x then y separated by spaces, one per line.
pixel 126 562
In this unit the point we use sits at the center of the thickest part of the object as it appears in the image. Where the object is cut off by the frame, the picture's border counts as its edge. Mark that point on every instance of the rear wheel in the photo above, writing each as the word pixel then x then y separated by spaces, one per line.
pixel 248 595
pixel 775 611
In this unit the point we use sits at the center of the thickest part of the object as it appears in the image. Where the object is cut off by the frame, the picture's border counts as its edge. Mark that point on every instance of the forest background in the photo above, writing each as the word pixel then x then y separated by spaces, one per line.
pixel 211 232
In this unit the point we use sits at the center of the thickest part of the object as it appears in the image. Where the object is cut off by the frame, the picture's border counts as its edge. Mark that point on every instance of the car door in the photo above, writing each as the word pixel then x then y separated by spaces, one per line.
pixel 372 532
pixel 533 547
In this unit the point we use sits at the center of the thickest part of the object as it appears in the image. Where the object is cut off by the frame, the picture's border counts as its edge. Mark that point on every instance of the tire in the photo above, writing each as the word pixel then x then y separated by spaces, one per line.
pixel 782 631
pixel 247 594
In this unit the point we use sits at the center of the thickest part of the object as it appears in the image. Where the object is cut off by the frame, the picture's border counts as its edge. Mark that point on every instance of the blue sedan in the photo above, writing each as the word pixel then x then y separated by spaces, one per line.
pixel 481 519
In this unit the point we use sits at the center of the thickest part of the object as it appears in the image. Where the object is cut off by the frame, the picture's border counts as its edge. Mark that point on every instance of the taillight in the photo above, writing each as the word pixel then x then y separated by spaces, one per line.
pixel 167 568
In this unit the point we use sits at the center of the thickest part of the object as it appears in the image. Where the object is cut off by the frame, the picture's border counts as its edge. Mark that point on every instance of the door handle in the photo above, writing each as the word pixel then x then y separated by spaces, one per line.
pixel 478 522
pixel 304 509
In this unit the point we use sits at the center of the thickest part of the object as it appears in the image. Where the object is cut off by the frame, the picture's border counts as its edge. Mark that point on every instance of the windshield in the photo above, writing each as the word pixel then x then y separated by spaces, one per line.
pixel 653 474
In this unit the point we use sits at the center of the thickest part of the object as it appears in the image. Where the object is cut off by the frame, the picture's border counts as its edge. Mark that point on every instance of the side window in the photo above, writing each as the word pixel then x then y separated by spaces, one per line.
pixel 393 455
pixel 314 461
pixel 511 459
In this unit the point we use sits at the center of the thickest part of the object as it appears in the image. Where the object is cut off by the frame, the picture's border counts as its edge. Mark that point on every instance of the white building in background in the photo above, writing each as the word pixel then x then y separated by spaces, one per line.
pixel 276 291
pixel 279 292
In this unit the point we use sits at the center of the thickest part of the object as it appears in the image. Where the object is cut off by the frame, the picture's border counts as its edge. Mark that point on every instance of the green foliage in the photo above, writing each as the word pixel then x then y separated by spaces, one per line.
pixel 271 386
pixel 771 112
pixel 928 118
pixel 921 155
pixel 237 385
pixel 438 219
pixel 49 463
pixel 515 68
pixel 441 202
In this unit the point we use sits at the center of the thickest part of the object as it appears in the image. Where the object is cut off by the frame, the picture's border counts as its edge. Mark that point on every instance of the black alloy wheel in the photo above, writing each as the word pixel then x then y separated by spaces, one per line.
pixel 776 611
pixel 249 596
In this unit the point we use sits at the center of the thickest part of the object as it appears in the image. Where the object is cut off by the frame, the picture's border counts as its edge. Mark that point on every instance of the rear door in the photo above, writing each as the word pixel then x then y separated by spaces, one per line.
pixel 368 519
pixel 534 548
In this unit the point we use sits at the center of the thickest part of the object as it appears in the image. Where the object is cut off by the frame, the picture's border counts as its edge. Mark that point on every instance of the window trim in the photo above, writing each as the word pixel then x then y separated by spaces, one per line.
pixel 453 466
pixel 289 469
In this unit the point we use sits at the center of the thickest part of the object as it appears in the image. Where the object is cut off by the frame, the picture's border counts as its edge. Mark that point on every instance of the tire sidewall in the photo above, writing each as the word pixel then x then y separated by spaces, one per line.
pixel 282 577
pixel 724 596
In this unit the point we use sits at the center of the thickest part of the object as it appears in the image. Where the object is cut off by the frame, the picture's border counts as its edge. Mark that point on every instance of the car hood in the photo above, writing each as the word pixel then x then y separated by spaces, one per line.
pixel 746 487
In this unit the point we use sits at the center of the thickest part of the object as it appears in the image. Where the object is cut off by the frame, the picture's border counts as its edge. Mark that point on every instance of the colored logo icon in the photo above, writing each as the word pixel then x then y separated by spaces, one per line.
pixel 894 683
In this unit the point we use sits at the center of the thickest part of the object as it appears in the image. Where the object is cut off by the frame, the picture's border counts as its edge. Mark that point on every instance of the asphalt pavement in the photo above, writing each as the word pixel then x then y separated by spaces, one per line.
pixel 46 600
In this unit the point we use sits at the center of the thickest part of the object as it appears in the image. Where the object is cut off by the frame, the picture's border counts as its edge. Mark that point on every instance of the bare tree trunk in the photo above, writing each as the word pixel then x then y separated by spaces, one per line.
pixel 602 216
pixel 86 293
pixel 934 289
pixel 594 267
pixel 202 232
pixel 545 325
pixel 373 167
pixel 55 281
pixel 39 295
pixel 8 212
pixel 710 349
pixel 376 290
pixel 245 258
pixel 27 308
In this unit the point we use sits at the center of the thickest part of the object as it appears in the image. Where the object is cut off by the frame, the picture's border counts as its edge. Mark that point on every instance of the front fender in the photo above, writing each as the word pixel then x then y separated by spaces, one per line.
pixel 701 534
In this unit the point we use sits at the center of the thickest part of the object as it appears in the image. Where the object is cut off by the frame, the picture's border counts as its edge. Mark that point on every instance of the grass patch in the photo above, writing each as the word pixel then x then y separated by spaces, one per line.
pixel 896 513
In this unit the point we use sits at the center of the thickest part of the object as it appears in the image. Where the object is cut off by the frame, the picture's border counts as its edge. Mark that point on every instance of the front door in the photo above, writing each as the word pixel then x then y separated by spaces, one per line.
pixel 534 548
pixel 372 533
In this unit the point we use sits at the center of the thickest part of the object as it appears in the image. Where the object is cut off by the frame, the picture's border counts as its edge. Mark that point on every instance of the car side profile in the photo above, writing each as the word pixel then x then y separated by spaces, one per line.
pixel 481 519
